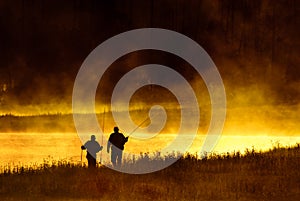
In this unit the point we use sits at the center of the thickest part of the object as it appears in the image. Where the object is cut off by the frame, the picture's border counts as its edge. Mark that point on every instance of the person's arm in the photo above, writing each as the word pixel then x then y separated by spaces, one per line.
pixel 83 147
pixel 99 147
pixel 125 139
pixel 108 145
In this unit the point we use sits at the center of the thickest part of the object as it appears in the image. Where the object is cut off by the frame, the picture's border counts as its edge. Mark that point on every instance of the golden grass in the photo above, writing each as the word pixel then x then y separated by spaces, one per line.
pixel 273 175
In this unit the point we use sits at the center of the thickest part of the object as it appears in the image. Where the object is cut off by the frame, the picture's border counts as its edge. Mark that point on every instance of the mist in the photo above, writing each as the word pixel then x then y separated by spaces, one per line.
pixel 254 44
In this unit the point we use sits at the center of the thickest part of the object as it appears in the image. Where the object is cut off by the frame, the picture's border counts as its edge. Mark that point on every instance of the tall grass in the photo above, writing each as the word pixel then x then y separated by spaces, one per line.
pixel 272 175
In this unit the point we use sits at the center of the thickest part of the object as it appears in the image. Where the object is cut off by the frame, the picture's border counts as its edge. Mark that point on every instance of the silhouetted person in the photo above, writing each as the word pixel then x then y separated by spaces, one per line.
pixel 93 147
pixel 116 141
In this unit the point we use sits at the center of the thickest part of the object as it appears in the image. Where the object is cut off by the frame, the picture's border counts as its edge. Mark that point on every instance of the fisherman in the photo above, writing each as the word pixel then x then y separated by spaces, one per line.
pixel 116 141
pixel 93 147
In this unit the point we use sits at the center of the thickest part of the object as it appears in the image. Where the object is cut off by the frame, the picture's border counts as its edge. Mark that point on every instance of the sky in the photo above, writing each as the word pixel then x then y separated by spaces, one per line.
pixel 254 44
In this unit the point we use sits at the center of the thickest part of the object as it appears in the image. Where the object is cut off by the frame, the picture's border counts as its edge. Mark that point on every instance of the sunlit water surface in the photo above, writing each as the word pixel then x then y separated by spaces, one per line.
pixel 34 148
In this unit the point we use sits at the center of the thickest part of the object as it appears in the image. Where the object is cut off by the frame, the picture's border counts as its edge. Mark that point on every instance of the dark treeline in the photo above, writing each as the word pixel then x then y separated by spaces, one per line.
pixel 43 43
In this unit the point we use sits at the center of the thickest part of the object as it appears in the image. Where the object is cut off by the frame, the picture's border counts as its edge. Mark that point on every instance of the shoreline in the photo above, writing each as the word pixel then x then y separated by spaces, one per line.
pixel 270 176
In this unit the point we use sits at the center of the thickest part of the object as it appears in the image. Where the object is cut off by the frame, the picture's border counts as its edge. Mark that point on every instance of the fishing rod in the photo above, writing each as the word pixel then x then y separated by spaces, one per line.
pixel 81 158
pixel 139 125
pixel 103 121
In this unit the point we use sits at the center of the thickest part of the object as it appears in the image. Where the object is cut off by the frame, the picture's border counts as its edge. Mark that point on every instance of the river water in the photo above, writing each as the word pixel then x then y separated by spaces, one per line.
pixel 34 148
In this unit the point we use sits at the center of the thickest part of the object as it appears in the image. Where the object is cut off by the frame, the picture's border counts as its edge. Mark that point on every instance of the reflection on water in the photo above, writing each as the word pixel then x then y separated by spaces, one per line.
pixel 29 148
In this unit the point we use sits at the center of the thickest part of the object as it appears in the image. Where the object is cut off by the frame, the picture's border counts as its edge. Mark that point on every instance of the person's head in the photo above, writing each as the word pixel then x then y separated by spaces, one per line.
pixel 93 137
pixel 116 129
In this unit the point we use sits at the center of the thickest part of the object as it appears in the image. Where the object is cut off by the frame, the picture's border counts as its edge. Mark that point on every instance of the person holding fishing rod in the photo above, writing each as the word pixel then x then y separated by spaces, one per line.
pixel 116 143
pixel 92 147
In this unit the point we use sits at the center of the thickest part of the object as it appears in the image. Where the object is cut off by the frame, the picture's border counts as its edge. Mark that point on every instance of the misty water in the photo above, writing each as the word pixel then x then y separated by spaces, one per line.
pixel 34 148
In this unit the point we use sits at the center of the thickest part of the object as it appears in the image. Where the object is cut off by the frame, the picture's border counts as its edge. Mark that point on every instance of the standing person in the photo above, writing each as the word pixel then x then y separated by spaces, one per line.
pixel 93 147
pixel 116 141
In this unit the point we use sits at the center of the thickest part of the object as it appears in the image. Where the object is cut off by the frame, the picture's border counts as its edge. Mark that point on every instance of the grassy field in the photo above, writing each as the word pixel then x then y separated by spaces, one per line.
pixel 272 175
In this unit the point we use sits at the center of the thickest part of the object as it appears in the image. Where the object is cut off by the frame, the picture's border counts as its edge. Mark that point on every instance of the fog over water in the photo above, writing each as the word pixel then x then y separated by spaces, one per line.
pixel 254 44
